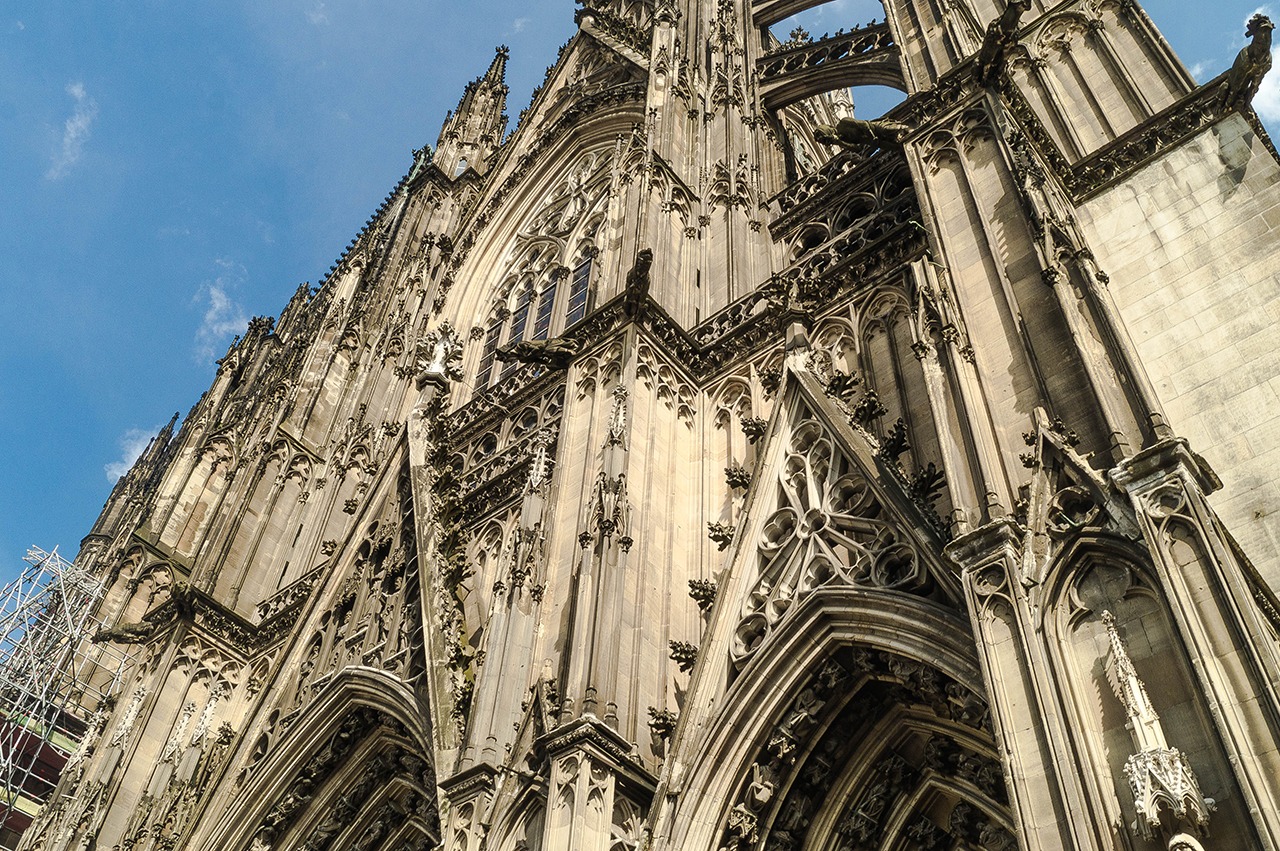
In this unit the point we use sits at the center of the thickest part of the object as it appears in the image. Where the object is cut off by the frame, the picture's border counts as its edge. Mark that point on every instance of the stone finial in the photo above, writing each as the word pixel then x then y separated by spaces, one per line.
pixel 439 356
pixel 1165 791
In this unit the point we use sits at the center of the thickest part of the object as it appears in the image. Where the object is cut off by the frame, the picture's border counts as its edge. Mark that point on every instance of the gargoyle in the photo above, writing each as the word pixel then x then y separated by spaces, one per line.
pixel 555 354
pixel 637 284
pixel 1251 65
pixel 857 133
pixel 1002 33
pixel 125 633
pixel 183 596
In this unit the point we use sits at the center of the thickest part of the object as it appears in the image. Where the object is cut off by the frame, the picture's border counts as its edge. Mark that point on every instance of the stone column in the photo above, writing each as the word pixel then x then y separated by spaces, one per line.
pixel 1048 800
pixel 1218 604
pixel 598 791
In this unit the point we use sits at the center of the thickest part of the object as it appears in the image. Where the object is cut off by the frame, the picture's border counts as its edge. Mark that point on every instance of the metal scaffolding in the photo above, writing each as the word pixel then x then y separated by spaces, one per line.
pixel 52 679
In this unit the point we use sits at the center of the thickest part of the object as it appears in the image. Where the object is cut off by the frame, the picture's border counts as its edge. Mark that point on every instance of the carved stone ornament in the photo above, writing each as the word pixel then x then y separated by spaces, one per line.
pixel 859 133
pixel 553 354
pixel 1251 65
pixel 439 355
pixel 1165 791
pixel 829 530
pixel 1002 34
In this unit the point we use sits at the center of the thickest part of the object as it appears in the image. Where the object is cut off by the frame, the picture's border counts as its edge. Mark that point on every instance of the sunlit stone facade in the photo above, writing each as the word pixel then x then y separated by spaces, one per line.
pixel 703 468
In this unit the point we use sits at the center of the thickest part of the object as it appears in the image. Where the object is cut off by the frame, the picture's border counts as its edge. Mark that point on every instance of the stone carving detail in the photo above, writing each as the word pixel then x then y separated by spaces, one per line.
pixel 861 825
pixel 440 354
pixel 1251 65
pixel 721 534
pixel 703 592
pixel 662 722
pixel 858 133
pixel 685 655
pixel 554 354
pixel 675 392
pixel 1164 787
pixel 802 54
pixel 829 529
pixel 1002 34
pixel 743 826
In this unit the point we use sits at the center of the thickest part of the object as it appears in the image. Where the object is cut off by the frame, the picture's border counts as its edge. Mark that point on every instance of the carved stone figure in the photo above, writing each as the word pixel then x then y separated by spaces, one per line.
pixel 637 289
pixel 1251 65
pixel 1002 34
pixel 859 133
pixel 126 633
pixel 555 354
pixel 183 595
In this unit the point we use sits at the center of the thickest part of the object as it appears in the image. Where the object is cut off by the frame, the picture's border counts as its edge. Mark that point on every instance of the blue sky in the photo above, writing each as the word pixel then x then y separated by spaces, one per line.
pixel 169 169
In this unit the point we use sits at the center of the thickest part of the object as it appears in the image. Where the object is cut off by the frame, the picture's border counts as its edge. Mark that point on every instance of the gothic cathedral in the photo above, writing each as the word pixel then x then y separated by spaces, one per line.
pixel 704 465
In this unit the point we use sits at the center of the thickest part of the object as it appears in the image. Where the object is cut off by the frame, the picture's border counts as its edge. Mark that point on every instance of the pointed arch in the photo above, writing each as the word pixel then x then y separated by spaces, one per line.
pixel 365 719
pixel 1097 570
pixel 884 642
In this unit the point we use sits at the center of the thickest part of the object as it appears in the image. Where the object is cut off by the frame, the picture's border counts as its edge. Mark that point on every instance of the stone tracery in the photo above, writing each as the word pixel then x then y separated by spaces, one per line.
pixel 830 529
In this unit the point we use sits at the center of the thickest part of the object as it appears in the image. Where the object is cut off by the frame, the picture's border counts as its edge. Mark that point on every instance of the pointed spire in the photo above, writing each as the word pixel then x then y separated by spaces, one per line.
pixel 474 130
pixel 1143 720
pixel 497 72
pixel 1165 792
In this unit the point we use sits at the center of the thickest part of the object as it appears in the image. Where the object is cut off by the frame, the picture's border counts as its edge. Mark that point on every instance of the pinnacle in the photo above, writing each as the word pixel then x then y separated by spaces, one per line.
pixel 498 67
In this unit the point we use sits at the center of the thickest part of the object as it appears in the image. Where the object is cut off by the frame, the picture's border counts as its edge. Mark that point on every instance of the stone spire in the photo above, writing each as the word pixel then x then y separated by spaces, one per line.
pixel 474 129
pixel 1159 776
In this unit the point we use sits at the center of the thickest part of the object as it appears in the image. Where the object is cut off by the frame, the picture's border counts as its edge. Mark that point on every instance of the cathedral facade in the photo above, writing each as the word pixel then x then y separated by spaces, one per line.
pixel 700 466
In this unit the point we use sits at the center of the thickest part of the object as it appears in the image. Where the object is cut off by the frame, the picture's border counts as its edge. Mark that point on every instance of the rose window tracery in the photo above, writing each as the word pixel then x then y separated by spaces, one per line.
pixel 829 529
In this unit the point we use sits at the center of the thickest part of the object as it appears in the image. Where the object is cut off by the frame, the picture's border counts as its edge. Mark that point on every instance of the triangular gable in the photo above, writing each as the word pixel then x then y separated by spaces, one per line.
pixel 823 510
pixel 590 64
pixel 1065 497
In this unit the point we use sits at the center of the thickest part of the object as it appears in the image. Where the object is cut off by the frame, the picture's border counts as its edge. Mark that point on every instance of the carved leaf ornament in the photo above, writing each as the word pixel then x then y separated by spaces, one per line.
pixel 829 529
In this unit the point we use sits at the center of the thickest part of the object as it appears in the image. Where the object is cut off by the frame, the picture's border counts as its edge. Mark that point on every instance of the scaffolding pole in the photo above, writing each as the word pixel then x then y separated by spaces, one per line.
pixel 52 679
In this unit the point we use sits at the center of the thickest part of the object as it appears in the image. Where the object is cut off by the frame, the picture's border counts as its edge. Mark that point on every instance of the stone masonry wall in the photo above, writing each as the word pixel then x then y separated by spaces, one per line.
pixel 1189 243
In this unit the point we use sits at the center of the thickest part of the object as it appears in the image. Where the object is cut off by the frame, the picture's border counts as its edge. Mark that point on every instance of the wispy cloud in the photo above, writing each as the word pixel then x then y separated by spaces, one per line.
pixel 223 316
pixel 518 25
pixel 1267 101
pixel 75 133
pixel 318 15
pixel 1200 70
pixel 132 442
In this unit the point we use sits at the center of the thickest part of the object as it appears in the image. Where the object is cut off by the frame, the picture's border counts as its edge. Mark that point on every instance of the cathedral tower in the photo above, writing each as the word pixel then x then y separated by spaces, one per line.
pixel 708 466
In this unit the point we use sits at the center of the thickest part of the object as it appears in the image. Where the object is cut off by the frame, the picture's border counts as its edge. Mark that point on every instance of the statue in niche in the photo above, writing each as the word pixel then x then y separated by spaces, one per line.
pixel 1251 65
pixel 858 133
pixel 554 354
pixel 1002 34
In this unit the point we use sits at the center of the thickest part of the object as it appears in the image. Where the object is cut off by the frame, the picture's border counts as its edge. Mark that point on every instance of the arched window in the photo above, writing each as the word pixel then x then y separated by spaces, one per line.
pixel 579 290
pixel 536 309
pixel 549 281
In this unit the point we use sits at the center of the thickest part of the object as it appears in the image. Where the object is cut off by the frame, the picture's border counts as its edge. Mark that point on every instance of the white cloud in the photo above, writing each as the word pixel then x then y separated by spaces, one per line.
pixel 519 24
pixel 75 132
pixel 1200 71
pixel 1267 101
pixel 318 15
pixel 223 317
pixel 132 443
pixel 20 25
